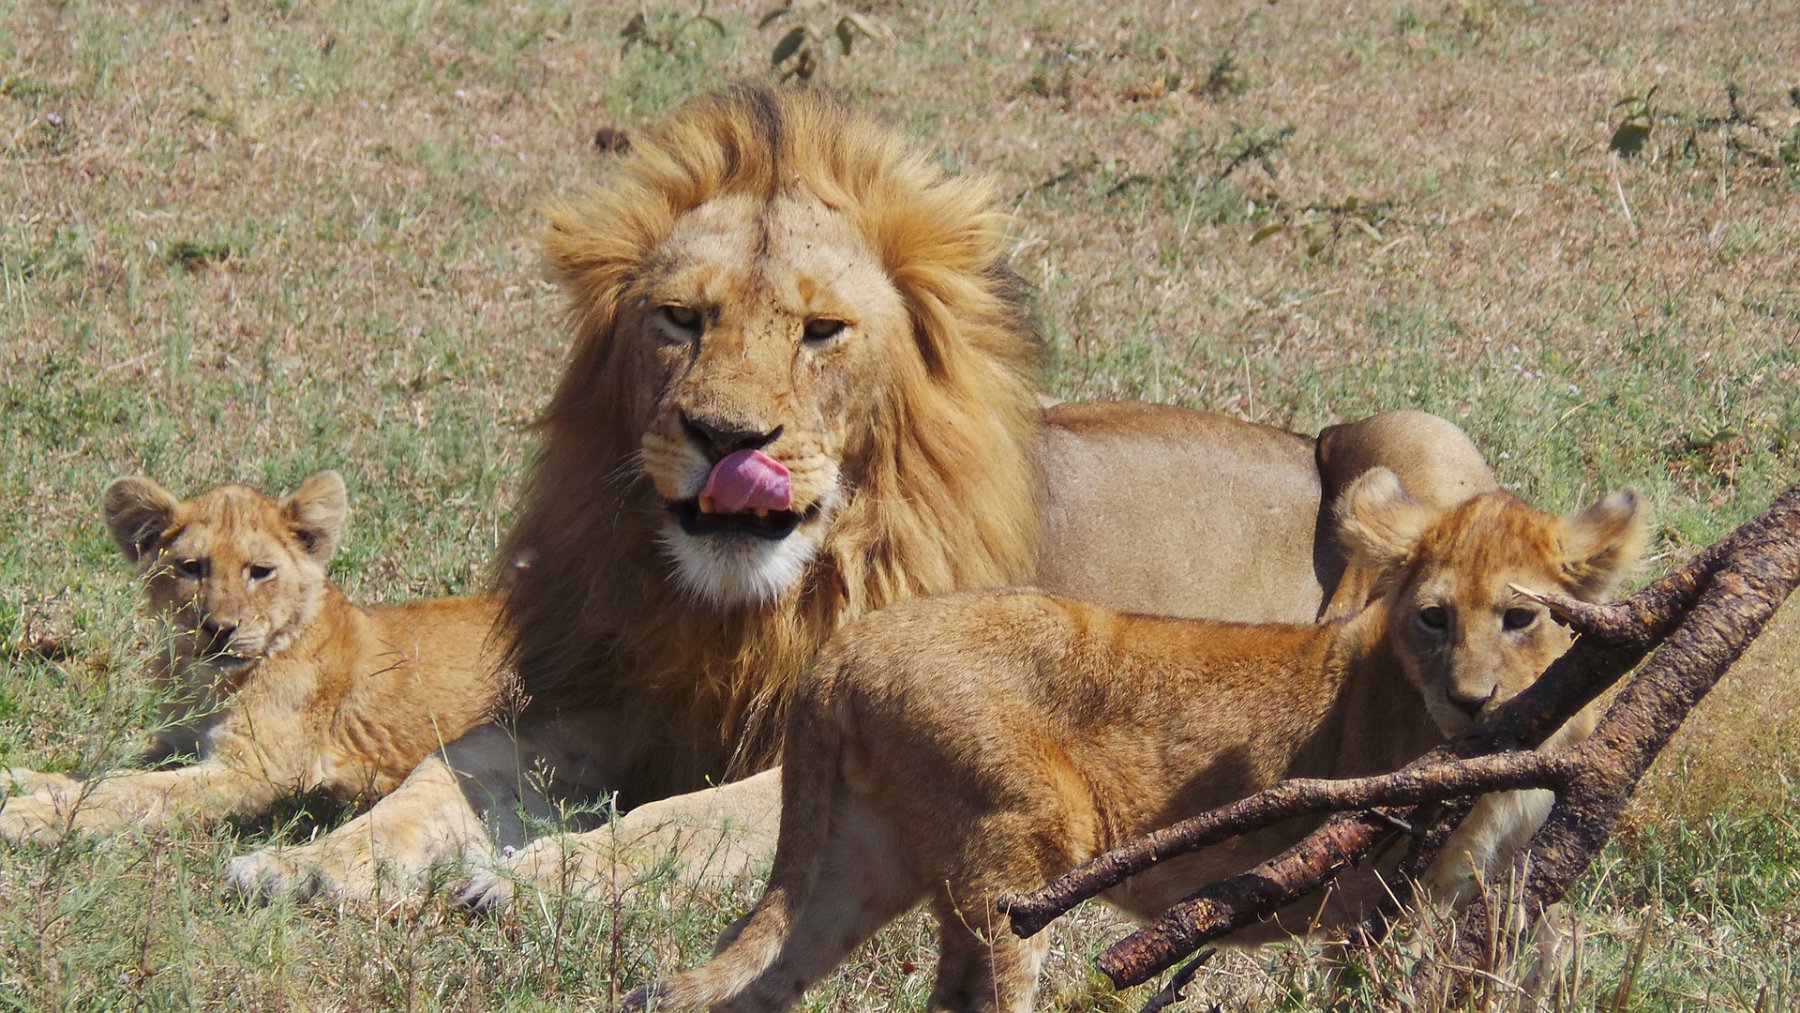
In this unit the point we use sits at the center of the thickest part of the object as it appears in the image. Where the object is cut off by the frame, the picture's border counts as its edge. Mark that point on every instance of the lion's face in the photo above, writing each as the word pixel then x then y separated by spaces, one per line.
pixel 1462 634
pixel 234 575
pixel 765 335
pixel 801 387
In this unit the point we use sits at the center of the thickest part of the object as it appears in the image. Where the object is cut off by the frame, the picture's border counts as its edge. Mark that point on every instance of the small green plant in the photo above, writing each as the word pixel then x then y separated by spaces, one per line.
pixel 1224 77
pixel 194 254
pixel 1319 226
pixel 1633 131
pixel 665 32
pixel 804 47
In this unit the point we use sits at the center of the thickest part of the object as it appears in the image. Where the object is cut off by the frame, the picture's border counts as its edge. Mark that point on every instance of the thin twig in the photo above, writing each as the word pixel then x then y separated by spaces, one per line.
pixel 1170 993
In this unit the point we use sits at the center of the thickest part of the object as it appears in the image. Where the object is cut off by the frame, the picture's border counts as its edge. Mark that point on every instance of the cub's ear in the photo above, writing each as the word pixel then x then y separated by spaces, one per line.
pixel 138 512
pixel 1602 543
pixel 317 512
pixel 1378 520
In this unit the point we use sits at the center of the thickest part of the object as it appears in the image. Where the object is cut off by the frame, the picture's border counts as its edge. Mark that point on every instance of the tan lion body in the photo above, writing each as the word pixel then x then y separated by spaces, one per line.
pixel 766 277
pixel 277 682
pixel 955 748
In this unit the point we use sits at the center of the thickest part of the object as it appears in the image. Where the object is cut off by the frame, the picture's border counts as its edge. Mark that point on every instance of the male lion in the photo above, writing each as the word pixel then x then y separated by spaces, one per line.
pixel 803 387
pixel 275 681
pixel 960 747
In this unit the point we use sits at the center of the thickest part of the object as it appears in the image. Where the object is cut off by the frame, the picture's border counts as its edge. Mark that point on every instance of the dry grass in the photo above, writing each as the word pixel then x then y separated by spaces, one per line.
pixel 251 241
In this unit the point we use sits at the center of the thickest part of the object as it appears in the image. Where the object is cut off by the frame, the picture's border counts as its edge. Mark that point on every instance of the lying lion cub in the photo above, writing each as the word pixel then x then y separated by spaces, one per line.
pixel 960 747
pixel 285 685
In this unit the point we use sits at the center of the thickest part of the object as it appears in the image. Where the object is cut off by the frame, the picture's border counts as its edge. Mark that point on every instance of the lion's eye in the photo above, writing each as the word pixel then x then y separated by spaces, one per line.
pixel 685 318
pixel 1518 619
pixel 1434 617
pixel 823 329
pixel 195 568
pixel 259 571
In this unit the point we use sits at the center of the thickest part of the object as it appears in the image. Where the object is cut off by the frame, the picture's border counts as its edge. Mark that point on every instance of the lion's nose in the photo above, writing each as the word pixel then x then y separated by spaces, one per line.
pixel 720 436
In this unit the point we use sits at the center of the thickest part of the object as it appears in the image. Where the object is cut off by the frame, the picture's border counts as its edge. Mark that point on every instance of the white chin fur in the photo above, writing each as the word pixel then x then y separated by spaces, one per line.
pixel 738 571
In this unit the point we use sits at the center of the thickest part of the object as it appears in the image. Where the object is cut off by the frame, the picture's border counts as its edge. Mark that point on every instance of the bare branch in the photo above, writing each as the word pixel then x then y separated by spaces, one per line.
pixel 1030 912
pixel 1231 904
pixel 1614 623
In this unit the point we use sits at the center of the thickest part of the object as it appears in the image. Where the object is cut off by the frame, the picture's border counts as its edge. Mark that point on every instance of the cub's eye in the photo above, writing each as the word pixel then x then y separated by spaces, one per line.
pixel 258 571
pixel 191 567
pixel 1518 619
pixel 1433 617
pixel 684 318
pixel 822 330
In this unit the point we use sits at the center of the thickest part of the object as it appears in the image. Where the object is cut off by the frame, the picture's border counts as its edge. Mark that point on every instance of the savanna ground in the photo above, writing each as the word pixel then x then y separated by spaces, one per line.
pixel 247 241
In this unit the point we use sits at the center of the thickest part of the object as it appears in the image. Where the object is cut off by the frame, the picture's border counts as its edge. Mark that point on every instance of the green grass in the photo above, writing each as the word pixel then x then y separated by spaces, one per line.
pixel 248 242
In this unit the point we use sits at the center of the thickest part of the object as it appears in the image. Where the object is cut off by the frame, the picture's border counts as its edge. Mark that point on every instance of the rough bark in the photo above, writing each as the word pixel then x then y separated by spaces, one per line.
pixel 1031 912
pixel 1698 619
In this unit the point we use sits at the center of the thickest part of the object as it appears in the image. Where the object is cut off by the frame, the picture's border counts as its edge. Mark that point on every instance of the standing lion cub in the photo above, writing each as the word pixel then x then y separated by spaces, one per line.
pixel 961 747
pixel 277 683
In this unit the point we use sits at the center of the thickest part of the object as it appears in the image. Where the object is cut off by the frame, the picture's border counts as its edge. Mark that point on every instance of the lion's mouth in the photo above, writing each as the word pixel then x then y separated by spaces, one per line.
pixel 700 518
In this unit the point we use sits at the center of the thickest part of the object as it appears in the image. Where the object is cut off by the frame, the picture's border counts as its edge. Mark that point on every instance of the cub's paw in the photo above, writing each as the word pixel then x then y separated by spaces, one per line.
pixel 559 864
pixel 37 819
pixel 327 870
pixel 266 875
pixel 20 781
pixel 489 889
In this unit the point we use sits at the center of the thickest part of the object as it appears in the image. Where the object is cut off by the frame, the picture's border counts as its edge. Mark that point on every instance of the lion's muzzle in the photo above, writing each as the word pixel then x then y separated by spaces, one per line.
pixel 746 492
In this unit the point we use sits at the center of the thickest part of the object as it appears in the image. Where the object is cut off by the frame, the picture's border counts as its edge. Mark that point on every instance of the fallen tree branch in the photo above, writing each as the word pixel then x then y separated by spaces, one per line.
pixel 1703 614
pixel 1031 912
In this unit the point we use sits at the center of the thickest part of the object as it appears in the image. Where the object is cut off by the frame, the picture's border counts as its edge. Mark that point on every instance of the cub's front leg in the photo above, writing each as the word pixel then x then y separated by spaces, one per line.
pixel 204 792
pixel 20 781
pixel 393 846
pixel 714 837
pixel 449 809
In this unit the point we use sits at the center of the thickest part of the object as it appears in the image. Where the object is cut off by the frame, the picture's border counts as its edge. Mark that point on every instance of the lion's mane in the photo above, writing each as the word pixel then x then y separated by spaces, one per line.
pixel 944 497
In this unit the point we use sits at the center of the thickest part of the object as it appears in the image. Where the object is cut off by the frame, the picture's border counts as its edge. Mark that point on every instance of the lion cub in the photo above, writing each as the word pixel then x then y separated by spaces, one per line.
pixel 960 747
pixel 279 683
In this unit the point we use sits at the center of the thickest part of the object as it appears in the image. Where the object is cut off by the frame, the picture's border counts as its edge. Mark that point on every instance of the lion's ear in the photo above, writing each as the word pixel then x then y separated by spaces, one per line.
pixel 317 512
pixel 138 512
pixel 1378 520
pixel 1602 543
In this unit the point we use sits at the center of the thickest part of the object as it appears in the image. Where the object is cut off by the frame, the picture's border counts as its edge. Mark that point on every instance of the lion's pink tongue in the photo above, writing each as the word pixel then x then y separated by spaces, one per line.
pixel 748 480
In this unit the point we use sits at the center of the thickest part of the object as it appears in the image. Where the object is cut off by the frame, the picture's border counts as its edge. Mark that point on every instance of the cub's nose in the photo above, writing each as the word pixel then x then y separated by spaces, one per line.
pixel 216 634
pixel 1471 702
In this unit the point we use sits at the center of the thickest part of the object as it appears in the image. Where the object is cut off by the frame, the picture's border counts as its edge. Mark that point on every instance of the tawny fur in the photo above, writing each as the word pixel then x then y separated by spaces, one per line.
pixel 275 683
pixel 955 748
